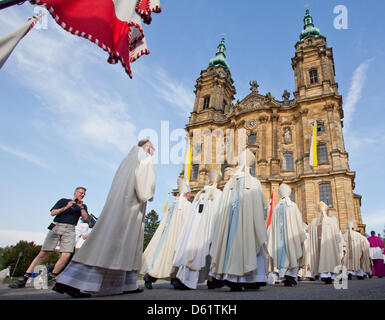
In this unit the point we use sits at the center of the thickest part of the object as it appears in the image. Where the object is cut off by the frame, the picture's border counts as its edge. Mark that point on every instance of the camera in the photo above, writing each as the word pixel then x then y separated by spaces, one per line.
pixel 91 220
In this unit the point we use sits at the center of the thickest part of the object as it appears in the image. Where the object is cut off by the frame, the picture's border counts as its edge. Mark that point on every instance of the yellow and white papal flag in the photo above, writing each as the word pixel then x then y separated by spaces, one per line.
pixel 187 163
pixel 313 147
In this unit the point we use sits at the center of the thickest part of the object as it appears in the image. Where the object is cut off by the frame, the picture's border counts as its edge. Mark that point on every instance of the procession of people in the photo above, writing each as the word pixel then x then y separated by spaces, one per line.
pixel 219 238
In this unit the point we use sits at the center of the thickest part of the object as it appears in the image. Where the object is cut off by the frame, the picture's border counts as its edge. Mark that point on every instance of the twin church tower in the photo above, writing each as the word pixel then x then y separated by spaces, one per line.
pixel 279 131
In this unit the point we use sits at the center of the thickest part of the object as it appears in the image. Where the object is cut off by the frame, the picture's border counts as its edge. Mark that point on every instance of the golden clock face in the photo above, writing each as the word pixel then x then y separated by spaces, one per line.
pixel 251 123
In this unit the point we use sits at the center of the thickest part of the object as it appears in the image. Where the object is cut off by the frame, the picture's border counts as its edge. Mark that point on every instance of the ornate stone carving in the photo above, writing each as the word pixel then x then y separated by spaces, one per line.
pixel 329 106
pixel 274 117
pixel 251 123
pixel 254 86
pixel 263 118
pixel 268 98
pixel 304 112
pixel 287 136
pixel 286 95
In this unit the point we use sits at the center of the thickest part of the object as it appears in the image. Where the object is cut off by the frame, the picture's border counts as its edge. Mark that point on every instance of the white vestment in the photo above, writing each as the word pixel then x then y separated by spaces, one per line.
pixel 366 261
pixel 286 237
pixel 159 254
pixel 326 245
pixel 240 232
pixel 193 244
pixel 114 247
pixel 354 250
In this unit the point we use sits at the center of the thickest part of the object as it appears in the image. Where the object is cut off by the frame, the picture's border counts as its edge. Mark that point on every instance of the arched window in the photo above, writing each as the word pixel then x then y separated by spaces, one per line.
pixel 224 104
pixel 320 127
pixel 195 171
pixel 287 164
pixel 252 138
pixel 206 102
pixel 325 194
pixel 322 155
pixel 313 76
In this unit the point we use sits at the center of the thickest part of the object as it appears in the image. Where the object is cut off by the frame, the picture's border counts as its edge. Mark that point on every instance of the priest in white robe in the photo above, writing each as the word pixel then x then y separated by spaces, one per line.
pixel 193 245
pixel 157 262
pixel 108 261
pixel 286 238
pixel 326 245
pixel 366 260
pixel 353 248
pixel 239 253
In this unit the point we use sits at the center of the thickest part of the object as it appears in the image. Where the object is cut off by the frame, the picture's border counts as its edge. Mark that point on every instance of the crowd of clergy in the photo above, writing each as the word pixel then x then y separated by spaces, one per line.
pixel 219 239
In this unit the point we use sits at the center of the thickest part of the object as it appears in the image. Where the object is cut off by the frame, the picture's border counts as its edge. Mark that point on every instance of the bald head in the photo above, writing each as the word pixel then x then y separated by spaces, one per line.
pixel 147 146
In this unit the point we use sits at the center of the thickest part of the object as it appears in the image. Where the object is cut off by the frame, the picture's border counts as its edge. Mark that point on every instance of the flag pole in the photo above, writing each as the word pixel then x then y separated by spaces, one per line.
pixel 8 3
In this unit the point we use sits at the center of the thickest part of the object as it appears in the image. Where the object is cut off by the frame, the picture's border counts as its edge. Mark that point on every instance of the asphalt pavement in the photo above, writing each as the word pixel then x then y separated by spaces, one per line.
pixel 368 289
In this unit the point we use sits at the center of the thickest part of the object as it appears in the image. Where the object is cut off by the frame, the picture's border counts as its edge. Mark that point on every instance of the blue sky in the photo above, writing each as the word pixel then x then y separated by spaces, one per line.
pixel 68 117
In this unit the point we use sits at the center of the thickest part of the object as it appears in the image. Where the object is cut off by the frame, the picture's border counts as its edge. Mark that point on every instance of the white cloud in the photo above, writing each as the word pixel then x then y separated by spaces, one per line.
pixel 24 155
pixel 375 221
pixel 168 88
pixel 11 237
pixel 84 109
pixel 172 91
pixel 355 90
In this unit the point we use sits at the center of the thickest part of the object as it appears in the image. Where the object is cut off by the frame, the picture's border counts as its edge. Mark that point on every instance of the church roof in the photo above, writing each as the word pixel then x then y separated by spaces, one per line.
pixel 309 28
pixel 220 57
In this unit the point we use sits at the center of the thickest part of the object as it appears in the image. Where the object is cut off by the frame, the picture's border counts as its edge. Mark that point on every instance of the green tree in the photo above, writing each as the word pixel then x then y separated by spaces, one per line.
pixel 28 252
pixel 151 223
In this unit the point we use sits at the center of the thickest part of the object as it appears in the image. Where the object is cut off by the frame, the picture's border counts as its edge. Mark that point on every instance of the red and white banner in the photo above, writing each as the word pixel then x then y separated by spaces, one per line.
pixel 114 25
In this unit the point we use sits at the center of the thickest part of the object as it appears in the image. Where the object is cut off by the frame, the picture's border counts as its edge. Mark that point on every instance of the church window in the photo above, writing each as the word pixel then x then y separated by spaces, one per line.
pixel 320 128
pixel 206 102
pixel 195 171
pixel 325 194
pixel 322 156
pixel 313 75
pixel 288 161
pixel 252 138
pixel 224 105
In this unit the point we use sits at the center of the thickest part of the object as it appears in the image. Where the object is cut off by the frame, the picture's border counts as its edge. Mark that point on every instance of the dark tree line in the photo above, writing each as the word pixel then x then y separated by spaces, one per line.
pixel 25 252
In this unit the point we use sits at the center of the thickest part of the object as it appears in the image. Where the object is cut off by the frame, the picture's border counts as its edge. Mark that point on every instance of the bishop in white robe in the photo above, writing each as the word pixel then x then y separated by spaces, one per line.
pixel 157 262
pixel 109 259
pixel 326 245
pixel 286 238
pixel 238 252
pixel 193 245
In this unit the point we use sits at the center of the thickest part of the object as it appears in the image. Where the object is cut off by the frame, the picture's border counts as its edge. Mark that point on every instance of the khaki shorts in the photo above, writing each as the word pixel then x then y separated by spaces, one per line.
pixel 63 233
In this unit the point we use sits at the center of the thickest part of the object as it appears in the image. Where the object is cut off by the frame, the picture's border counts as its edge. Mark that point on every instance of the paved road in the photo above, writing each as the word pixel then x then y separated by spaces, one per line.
pixel 369 289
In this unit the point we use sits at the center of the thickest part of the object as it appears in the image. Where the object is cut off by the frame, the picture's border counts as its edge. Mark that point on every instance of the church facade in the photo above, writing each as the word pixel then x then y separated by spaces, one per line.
pixel 278 131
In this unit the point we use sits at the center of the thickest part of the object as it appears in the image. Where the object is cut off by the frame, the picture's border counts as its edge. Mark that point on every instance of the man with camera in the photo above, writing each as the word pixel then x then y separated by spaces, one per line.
pixel 67 213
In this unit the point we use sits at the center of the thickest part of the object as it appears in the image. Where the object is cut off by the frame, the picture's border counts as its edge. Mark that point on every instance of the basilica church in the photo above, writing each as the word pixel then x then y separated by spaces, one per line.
pixel 279 131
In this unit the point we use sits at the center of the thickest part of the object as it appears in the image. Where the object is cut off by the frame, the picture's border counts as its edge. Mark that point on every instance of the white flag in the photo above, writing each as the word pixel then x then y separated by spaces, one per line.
pixel 9 41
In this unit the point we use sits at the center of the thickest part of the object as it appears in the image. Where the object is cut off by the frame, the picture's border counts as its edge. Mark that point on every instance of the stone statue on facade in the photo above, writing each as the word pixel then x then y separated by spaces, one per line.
pixel 254 86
